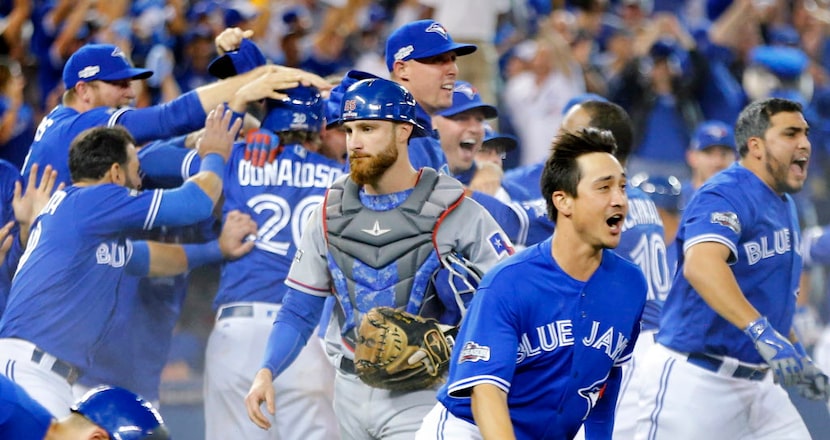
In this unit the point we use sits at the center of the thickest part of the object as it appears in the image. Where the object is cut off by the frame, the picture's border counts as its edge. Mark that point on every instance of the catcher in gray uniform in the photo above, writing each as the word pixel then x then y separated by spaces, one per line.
pixel 387 236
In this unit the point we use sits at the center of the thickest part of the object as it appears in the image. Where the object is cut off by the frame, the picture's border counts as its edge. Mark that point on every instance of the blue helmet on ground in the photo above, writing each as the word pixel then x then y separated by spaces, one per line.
pixel 123 414
pixel 663 190
pixel 303 110
pixel 380 99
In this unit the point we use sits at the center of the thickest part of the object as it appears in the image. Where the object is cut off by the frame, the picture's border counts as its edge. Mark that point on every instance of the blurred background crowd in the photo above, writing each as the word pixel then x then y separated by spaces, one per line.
pixel 672 64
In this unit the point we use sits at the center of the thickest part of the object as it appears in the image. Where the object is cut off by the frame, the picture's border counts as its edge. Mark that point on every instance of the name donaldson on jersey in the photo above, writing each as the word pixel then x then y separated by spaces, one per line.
pixel 641 212
pixel 551 336
pixel 287 172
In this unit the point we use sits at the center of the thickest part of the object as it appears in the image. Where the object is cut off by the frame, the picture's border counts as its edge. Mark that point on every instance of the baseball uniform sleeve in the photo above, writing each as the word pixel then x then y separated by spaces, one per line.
pixel 713 218
pixel 309 271
pixel 475 234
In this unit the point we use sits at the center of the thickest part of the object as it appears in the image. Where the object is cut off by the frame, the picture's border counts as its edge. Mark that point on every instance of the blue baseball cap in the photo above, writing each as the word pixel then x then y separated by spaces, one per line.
pixel 247 57
pixel 713 134
pixel 465 97
pixel 422 39
pixel 496 141
pixel 100 62
pixel 786 62
pixel 334 104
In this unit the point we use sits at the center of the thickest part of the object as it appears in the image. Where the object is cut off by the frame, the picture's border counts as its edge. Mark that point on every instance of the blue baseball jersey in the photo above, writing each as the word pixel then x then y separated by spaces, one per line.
pixel 642 243
pixel 56 131
pixel 8 176
pixel 426 151
pixel 528 178
pixel 551 342
pixel 760 228
pixel 64 294
pixel 280 197
pixel 17 147
pixel 20 415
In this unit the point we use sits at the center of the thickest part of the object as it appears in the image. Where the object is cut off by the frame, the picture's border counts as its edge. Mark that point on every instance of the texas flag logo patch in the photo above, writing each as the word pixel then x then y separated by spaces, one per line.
pixel 500 244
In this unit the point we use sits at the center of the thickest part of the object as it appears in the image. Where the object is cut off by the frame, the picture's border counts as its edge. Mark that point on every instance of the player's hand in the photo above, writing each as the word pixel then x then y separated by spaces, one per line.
pixel 5 240
pixel 27 206
pixel 230 39
pixel 777 351
pixel 261 147
pixel 233 241
pixel 487 178
pixel 262 390
pixel 813 384
pixel 220 133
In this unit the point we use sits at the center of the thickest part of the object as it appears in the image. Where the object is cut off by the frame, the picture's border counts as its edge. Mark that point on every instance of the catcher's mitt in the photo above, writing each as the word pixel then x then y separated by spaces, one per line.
pixel 399 351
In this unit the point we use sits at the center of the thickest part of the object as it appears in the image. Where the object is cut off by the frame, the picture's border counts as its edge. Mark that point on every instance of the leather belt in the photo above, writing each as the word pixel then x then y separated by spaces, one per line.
pixel 239 311
pixel 59 367
pixel 714 364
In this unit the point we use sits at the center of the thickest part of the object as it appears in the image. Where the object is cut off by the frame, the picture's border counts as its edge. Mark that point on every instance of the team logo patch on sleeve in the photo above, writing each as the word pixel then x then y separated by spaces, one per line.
pixel 499 244
pixel 728 219
pixel 473 352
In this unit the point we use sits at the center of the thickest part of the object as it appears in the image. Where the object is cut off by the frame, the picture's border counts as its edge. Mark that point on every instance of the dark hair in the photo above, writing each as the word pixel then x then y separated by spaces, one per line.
pixel 609 116
pixel 93 152
pixel 562 172
pixel 755 117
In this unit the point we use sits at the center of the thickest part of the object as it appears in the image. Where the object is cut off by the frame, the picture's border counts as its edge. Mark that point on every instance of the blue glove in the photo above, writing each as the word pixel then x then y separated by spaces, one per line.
pixel 455 283
pixel 813 384
pixel 261 146
pixel 777 351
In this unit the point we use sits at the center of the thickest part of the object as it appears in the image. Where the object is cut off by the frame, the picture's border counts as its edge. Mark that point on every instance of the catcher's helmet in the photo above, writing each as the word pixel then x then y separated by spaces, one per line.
pixel 380 99
pixel 303 110
pixel 663 190
pixel 123 414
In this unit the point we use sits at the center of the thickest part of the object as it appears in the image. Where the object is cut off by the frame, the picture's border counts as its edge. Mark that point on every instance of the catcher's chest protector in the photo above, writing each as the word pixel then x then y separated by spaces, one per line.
pixel 378 238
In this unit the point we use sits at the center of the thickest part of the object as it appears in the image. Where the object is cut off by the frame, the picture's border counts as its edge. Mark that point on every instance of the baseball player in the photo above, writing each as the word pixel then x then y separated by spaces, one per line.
pixel 279 196
pixel 726 336
pixel 63 296
pixel 375 241
pixel 420 56
pixel 103 413
pixel 98 79
pixel 711 151
pixel 536 359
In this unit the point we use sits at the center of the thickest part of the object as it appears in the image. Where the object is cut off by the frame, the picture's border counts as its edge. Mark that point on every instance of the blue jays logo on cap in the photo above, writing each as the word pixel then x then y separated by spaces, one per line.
pixel 100 62
pixel 437 28
pixel 468 90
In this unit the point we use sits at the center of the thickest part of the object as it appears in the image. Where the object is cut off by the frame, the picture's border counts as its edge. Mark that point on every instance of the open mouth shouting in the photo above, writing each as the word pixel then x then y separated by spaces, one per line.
pixel 615 223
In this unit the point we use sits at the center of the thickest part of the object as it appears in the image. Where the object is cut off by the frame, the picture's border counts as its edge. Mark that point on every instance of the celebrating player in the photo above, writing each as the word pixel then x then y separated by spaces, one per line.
pixel 64 295
pixel 375 241
pixel 726 334
pixel 103 413
pixel 573 320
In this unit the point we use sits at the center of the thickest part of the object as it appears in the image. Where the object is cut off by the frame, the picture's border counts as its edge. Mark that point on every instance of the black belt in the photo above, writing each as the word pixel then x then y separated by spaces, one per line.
pixel 713 364
pixel 241 311
pixel 347 365
pixel 59 367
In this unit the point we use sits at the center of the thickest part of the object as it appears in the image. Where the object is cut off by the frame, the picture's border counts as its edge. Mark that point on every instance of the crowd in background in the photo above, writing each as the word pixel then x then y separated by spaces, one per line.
pixel 671 64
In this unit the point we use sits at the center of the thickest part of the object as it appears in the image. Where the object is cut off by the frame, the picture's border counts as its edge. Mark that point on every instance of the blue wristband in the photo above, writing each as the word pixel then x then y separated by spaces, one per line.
pixel 202 253
pixel 214 163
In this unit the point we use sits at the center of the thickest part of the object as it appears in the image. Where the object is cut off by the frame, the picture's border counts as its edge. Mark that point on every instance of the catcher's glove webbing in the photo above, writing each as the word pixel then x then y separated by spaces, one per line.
pixel 399 351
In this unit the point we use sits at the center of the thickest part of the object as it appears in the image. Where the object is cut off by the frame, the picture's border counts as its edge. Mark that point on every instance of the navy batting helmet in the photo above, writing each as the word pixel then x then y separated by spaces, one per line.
pixel 663 190
pixel 303 110
pixel 380 99
pixel 123 414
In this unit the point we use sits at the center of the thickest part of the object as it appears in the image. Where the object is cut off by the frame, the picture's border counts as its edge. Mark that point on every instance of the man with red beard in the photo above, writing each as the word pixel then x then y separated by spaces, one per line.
pixel 377 241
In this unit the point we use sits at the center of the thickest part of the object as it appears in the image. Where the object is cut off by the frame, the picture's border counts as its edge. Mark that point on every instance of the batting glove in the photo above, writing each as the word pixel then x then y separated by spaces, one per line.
pixel 261 147
pixel 813 383
pixel 777 351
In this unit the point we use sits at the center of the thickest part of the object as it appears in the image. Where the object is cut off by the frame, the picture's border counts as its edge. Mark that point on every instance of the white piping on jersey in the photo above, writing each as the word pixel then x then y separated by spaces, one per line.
pixel 188 159
pixel 470 382
pixel 113 120
pixel 524 223
pixel 717 239
pixel 153 211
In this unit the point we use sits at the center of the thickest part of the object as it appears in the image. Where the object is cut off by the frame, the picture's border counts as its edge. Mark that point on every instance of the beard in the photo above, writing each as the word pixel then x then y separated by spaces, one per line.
pixel 367 169
pixel 780 172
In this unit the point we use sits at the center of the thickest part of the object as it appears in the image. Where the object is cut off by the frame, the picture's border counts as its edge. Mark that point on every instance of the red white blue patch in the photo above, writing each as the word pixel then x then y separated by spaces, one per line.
pixel 499 244
pixel 473 352
pixel 728 219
